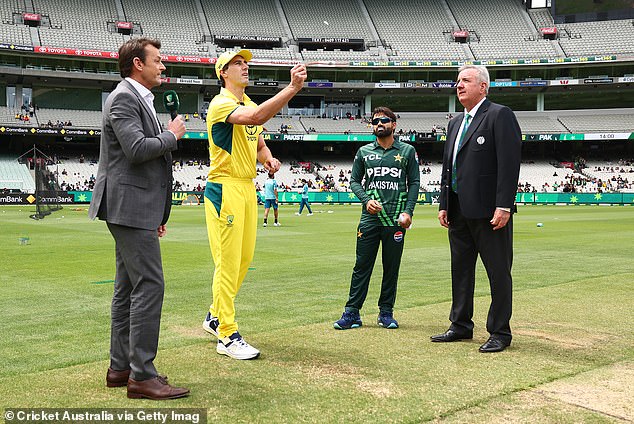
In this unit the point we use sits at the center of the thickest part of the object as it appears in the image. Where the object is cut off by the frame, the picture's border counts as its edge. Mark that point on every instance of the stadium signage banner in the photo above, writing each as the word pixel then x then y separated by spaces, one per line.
pixel 625 79
pixel 320 84
pixel 415 85
pixel 608 136
pixel 491 62
pixel 62 197
pixel 387 85
pixel 84 197
pixel 598 81
pixel 65 132
pixel 443 84
pixel 33 17
pixel 504 84
pixel 536 83
pixel 4 46
pixel 124 25
pixel 565 82
pixel 189 81
pixel 247 38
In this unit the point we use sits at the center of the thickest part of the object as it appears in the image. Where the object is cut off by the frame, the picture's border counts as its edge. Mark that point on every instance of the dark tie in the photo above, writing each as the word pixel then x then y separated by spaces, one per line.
pixel 454 181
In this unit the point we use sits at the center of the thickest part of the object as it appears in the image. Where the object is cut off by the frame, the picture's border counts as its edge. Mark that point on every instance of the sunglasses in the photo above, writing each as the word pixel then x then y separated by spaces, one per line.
pixel 383 120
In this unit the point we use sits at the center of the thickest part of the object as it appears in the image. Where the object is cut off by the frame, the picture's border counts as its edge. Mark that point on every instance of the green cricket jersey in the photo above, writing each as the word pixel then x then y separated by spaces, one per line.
pixel 390 176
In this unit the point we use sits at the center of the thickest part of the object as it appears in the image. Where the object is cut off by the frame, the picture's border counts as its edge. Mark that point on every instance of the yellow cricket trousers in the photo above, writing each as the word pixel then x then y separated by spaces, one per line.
pixel 231 212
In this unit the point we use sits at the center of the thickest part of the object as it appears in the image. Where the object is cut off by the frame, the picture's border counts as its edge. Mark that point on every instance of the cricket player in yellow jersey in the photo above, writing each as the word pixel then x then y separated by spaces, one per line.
pixel 234 126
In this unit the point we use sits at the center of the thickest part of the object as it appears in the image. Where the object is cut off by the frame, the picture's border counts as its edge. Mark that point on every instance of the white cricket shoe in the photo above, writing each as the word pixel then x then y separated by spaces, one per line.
pixel 277 224
pixel 235 347
pixel 265 224
pixel 296 213
pixel 310 214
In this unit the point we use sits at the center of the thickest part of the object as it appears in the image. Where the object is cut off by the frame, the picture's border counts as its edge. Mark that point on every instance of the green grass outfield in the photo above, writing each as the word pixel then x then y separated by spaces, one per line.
pixel 572 357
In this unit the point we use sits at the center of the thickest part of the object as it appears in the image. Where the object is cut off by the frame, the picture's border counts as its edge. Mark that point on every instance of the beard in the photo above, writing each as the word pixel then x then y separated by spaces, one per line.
pixel 383 132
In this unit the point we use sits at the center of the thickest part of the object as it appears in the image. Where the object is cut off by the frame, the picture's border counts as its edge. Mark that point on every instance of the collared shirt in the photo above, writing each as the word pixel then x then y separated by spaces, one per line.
pixel 232 147
pixel 472 114
pixel 148 97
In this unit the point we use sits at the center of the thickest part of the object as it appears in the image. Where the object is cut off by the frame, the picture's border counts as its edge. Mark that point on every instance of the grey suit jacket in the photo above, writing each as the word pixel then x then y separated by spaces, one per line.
pixel 134 181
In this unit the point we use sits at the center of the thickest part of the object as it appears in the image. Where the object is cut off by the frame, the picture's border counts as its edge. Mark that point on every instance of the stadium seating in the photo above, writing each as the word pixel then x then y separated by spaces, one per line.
pixel 179 28
pixel 266 20
pixel 510 35
pixel 424 35
pixel 597 38
pixel 15 176
pixel 76 26
pixel 327 18
pixel 581 121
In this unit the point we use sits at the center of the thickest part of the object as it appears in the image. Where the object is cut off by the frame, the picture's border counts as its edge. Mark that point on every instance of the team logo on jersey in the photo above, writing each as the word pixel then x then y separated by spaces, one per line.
pixel 359 234
pixel 480 140
pixel 398 157
pixel 251 129
pixel 398 236
pixel 229 220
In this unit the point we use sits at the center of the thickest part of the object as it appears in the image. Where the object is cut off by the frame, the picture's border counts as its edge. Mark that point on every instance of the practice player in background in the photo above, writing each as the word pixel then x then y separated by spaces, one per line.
pixel 234 125
pixel 270 199
pixel 304 201
pixel 385 177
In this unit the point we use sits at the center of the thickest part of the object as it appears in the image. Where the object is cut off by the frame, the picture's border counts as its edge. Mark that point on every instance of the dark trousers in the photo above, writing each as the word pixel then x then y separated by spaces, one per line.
pixel 136 302
pixel 368 240
pixel 467 239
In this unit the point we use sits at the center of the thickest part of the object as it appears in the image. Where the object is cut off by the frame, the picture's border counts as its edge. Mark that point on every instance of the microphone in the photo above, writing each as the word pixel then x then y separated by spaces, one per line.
pixel 170 100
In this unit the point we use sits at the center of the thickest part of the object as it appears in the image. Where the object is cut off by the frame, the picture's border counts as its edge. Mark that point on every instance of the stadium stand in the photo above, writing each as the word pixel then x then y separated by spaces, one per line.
pixel 15 176
pixel 267 20
pixel 425 34
pixel 590 38
pixel 327 18
pixel 510 35
pixel 72 25
pixel 178 28
pixel 8 116
pixel 588 121
pixel 15 34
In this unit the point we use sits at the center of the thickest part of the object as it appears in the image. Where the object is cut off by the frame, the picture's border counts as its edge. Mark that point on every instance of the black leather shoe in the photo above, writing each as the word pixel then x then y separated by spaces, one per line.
pixel 450 336
pixel 493 345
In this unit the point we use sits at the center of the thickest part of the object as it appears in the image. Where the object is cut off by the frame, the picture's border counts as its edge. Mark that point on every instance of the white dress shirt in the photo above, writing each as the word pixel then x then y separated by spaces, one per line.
pixel 148 97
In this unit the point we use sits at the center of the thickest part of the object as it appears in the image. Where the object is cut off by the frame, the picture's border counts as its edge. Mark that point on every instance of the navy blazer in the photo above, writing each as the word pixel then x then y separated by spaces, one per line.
pixel 488 162
pixel 133 186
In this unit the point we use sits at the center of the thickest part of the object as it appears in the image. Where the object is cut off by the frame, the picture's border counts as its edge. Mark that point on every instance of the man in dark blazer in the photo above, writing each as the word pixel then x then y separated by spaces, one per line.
pixel 133 193
pixel 481 166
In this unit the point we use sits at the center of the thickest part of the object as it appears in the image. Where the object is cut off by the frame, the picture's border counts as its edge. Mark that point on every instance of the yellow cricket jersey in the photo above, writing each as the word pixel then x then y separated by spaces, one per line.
pixel 232 148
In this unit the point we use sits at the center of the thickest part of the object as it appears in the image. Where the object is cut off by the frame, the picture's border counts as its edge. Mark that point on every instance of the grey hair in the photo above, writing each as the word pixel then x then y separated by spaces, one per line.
pixel 483 74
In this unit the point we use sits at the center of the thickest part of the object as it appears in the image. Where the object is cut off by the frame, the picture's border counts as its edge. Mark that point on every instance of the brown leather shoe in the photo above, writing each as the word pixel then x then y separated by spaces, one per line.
pixel 155 388
pixel 117 378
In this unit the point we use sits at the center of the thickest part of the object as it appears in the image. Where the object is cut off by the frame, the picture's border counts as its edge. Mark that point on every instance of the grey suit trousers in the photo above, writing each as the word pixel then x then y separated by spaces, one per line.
pixel 137 301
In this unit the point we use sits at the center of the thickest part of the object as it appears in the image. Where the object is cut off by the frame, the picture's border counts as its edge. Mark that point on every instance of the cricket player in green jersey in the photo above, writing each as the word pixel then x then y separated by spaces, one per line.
pixel 386 178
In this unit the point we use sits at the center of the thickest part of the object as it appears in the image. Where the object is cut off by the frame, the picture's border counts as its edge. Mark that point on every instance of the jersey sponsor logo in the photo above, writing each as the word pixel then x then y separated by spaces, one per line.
pixel 381 171
pixel 398 236
pixel 251 129
pixel 383 185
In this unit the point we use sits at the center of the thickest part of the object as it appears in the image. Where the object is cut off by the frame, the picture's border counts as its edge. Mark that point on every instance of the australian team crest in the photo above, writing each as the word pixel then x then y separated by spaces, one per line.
pixel 229 220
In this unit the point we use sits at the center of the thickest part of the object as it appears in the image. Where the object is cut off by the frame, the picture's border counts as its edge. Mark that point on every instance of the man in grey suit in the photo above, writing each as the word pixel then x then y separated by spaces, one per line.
pixel 132 194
